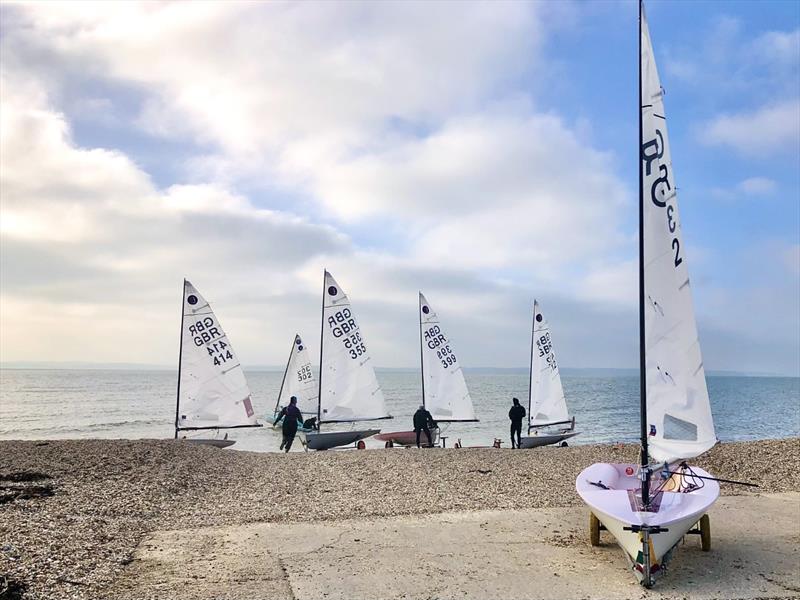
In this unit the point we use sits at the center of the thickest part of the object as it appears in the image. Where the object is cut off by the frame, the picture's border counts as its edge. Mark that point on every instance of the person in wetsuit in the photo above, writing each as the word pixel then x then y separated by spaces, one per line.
pixel 291 416
pixel 516 414
pixel 423 421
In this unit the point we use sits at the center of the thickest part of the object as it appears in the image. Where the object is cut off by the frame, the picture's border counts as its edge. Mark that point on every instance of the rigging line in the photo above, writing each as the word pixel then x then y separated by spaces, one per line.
pixel 719 479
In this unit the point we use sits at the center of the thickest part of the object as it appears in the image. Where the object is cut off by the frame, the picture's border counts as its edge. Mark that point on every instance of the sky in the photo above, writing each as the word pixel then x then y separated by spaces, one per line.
pixel 484 153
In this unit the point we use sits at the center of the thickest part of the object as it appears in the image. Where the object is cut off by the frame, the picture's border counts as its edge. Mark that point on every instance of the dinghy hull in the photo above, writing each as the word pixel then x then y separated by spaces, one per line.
pixel 211 442
pixel 648 538
pixel 535 441
pixel 335 439
pixel 408 438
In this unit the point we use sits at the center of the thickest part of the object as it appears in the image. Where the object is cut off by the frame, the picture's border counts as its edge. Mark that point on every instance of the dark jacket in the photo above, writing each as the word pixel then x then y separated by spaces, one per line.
pixel 422 419
pixel 290 415
pixel 517 413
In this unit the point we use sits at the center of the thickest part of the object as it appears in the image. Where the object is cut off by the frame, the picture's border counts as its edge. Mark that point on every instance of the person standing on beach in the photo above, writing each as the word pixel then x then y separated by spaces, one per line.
pixel 422 421
pixel 516 414
pixel 291 416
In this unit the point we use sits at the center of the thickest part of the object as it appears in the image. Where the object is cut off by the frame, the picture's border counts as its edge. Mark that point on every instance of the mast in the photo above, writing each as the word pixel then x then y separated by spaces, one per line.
pixel 421 342
pixel 645 471
pixel 285 372
pixel 180 358
pixel 530 367
pixel 321 341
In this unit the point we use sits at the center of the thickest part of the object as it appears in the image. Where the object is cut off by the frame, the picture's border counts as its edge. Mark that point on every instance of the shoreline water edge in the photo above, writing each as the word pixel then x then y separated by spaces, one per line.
pixel 73 512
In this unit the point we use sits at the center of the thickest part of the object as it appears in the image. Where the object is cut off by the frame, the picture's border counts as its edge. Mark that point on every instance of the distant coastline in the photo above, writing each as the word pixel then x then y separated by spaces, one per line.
pixel 567 371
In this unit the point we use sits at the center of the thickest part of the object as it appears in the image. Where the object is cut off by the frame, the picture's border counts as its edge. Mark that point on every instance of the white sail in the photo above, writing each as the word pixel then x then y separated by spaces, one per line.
pixel 547 401
pixel 299 381
pixel 350 390
pixel 445 392
pixel 213 389
pixel 678 413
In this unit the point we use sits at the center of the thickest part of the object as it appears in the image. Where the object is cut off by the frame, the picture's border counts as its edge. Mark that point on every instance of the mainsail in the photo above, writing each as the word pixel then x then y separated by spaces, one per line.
pixel 546 402
pixel 444 390
pixel 349 390
pixel 679 420
pixel 212 390
pixel 299 381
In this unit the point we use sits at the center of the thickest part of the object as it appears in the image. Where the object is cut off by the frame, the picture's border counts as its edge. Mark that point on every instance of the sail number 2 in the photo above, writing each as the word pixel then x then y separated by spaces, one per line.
pixel 652 151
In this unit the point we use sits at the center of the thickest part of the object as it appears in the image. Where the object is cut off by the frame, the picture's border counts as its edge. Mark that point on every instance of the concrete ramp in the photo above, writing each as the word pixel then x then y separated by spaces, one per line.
pixel 541 553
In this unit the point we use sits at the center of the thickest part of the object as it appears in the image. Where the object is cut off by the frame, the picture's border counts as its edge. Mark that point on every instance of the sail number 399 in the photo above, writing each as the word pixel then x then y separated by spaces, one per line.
pixel 435 340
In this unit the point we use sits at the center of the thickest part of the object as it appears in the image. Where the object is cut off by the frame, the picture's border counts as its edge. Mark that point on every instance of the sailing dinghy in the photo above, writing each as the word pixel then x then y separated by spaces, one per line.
pixel 298 381
pixel 548 417
pixel 444 390
pixel 348 390
pixel 649 507
pixel 212 390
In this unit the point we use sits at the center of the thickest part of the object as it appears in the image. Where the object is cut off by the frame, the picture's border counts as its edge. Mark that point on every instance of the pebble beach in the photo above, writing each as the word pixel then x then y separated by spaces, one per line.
pixel 73 512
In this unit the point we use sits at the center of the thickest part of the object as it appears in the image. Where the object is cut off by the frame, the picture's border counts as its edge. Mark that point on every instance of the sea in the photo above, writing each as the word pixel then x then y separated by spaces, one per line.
pixel 135 404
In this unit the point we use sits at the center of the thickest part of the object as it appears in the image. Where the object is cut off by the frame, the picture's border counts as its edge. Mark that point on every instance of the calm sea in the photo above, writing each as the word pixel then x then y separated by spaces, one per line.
pixel 52 404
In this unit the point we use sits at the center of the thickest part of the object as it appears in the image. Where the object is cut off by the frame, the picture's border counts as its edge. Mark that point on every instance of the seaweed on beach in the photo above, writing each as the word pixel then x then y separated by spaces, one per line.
pixel 11 589
pixel 18 486
pixel 23 476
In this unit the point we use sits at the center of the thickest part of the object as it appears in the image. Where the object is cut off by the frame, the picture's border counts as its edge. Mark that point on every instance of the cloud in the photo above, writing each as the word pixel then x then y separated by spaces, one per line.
pixel 757 186
pixel 770 130
pixel 239 75
pixel 94 245
pixel 752 186
pixel 403 149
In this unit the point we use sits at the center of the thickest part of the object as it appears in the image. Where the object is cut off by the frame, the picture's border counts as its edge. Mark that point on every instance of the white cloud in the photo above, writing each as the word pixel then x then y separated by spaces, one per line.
pixel 757 186
pixel 250 76
pixel 420 126
pixel 769 130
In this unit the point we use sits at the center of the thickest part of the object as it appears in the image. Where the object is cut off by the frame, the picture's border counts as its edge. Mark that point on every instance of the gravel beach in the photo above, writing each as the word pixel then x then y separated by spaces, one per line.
pixel 73 512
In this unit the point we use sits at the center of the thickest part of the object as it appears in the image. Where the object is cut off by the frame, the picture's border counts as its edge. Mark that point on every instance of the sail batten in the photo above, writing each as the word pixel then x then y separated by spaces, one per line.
pixel 349 388
pixel 213 392
pixel 445 392
pixel 547 401
pixel 679 421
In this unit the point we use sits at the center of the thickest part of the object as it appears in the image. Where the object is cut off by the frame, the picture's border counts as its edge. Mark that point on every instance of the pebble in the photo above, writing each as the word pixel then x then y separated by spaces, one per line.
pixel 108 494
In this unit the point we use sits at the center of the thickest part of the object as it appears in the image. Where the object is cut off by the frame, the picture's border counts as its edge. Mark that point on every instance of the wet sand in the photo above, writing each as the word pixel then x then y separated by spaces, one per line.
pixel 87 519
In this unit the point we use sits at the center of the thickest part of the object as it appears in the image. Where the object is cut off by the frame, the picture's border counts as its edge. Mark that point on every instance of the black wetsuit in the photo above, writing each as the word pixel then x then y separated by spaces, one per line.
pixel 516 414
pixel 422 419
pixel 290 415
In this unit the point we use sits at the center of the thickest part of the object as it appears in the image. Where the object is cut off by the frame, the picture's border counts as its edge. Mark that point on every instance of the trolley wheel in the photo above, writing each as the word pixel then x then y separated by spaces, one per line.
pixel 594 530
pixel 361 445
pixel 705 533
pixel 389 444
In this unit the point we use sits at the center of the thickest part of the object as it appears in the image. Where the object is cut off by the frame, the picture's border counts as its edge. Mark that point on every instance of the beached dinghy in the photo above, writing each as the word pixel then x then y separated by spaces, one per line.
pixel 650 507
pixel 444 390
pixel 212 390
pixel 348 389
pixel 298 381
pixel 548 417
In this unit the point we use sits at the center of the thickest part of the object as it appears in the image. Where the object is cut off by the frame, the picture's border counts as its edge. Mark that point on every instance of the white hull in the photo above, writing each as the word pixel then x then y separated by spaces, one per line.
pixel 217 443
pixel 335 439
pixel 673 511
pixel 535 441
